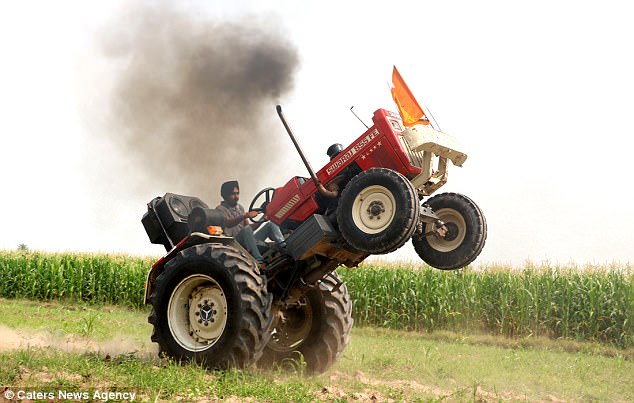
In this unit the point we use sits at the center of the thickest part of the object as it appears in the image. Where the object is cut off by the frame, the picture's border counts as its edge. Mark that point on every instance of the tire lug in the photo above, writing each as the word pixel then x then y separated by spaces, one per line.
pixel 206 323
pixel 197 313
pixel 200 321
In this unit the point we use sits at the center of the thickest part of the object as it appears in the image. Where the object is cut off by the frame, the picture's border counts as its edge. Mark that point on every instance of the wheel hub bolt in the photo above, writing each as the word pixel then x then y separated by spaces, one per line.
pixel 375 208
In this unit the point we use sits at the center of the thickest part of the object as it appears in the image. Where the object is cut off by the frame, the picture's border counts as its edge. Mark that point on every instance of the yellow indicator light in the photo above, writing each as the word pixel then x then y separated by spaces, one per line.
pixel 214 230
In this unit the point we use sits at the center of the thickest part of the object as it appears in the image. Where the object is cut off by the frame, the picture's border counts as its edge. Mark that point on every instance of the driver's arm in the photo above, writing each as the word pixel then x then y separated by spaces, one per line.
pixel 241 218
pixel 233 221
pixel 254 225
pixel 332 191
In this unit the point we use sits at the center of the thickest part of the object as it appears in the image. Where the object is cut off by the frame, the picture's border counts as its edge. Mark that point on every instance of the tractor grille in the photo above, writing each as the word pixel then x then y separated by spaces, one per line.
pixel 415 158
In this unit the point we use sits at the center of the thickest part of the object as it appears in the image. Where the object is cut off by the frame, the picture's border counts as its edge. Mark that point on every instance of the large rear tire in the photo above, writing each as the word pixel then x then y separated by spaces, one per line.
pixel 378 211
pixel 211 306
pixel 467 233
pixel 315 330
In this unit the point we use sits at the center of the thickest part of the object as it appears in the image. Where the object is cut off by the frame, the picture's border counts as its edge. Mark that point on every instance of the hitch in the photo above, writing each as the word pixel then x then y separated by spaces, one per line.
pixel 427 216
pixel 441 230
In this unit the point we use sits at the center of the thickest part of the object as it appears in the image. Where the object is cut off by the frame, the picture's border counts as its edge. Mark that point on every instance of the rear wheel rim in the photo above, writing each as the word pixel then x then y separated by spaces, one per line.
pixel 373 209
pixel 197 312
pixel 292 327
pixel 453 240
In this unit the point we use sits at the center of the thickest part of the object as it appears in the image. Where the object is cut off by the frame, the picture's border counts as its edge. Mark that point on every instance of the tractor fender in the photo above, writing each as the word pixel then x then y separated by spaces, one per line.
pixel 195 238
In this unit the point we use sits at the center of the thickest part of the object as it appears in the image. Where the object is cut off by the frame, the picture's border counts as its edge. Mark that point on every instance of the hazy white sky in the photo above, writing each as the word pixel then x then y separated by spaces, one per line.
pixel 540 94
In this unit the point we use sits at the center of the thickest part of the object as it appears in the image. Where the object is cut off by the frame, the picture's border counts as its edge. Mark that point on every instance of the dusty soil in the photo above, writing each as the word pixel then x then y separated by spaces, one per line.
pixel 11 339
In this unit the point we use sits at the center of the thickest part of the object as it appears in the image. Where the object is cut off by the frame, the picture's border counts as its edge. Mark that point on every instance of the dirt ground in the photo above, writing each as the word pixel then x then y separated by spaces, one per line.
pixel 11 339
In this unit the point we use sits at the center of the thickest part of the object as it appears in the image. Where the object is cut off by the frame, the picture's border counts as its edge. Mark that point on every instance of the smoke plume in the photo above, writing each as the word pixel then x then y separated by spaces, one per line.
pixel 193 103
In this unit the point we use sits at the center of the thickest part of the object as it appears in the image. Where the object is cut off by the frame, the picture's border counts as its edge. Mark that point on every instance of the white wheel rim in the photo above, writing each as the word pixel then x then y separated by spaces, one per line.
pixel 197 312
pixel 448 215
pixel 373 209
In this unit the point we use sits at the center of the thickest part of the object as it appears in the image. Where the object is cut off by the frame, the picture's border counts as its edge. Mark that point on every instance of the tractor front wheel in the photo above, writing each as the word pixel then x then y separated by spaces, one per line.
pixel 378 211
pixel 465 236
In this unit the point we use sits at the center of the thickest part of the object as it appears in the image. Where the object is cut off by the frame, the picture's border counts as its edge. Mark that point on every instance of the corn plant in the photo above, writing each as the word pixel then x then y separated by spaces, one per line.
pixel 551 301
pixel 92 278
pixel 569 302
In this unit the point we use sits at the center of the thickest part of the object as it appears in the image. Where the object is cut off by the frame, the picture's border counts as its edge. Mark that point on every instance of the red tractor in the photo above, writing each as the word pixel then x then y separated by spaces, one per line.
pixel 211 303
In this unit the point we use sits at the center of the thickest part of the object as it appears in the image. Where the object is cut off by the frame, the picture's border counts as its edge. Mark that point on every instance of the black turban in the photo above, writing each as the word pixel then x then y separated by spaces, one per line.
pixel 227 188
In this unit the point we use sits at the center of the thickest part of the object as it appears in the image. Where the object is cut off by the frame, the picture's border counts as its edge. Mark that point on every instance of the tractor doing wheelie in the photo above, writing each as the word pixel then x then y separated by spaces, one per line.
pixel 213 304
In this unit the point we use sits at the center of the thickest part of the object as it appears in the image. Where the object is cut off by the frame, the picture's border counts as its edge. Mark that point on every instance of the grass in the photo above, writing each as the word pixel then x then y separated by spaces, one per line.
pixel 68 318
pixel 459 365
pixel 38 369
pixel 378 364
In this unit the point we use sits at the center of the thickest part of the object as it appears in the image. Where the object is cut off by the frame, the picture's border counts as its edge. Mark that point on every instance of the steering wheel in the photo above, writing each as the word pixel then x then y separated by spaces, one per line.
pixel 268 195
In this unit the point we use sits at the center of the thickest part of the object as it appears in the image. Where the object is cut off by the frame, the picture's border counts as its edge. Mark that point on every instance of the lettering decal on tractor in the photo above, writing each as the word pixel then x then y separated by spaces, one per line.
pixel 395 115
pixel 293 201
pixel 357 147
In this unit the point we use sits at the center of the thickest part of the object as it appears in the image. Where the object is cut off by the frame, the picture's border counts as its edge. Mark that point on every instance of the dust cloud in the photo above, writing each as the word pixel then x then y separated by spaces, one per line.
pixel 13 339
pixel 193 100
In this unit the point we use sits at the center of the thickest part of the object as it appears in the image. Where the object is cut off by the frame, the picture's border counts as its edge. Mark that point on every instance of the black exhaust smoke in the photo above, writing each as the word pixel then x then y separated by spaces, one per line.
pixel 194 102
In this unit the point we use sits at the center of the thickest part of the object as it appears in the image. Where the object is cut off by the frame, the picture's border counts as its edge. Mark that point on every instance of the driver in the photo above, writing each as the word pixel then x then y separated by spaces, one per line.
pixel 237 226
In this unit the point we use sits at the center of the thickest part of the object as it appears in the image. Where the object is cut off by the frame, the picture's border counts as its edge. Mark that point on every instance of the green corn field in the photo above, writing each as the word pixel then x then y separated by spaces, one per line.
pixel 559 303
pixel 573 303
pixel 98 278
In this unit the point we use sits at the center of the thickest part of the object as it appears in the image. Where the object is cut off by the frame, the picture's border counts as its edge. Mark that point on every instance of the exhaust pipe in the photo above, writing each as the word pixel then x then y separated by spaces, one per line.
pixel 299 149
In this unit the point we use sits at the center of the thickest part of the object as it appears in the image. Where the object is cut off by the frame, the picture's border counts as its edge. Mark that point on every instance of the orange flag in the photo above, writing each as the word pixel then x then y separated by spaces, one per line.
pixel 408 107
